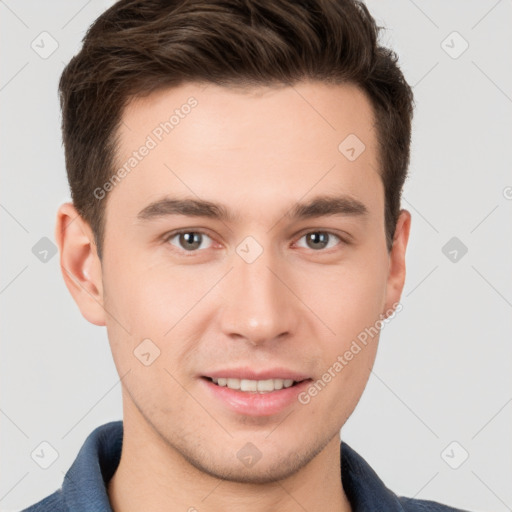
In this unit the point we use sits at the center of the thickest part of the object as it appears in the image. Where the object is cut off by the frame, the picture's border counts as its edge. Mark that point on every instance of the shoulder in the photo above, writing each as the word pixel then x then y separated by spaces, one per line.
pixel 366 491
pixel 52 503
pixel 413 505
pixel 84 485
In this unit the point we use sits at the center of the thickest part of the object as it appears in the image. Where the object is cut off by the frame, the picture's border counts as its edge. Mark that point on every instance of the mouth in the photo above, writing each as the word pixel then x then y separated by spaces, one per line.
pixel 254 386
pixel 255 397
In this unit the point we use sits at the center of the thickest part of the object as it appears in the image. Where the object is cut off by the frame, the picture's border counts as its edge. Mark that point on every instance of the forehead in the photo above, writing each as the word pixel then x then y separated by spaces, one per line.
pixel 253 148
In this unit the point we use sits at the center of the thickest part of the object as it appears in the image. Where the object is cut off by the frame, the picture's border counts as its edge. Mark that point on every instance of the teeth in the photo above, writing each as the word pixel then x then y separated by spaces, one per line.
pixel 249 385
pixel 232 383
pixel 266 385
pixel 261 386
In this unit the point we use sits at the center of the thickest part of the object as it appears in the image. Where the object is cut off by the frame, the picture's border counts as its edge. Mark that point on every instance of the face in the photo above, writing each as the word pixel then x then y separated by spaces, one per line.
pixel 275 282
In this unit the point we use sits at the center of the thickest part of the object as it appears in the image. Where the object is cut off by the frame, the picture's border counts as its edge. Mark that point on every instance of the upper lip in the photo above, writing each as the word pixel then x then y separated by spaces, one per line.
pixel 253 374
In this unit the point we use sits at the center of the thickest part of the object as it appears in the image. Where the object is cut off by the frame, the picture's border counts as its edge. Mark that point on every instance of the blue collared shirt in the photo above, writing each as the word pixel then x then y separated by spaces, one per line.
pixel 85 484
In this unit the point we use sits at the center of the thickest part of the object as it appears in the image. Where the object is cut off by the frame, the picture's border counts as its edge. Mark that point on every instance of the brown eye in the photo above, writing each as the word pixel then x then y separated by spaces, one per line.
pixel 318 240
pixel 188 240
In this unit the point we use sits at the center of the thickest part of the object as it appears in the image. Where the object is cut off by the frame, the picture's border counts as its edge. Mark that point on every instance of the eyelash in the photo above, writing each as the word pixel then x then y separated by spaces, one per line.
pixel 173 234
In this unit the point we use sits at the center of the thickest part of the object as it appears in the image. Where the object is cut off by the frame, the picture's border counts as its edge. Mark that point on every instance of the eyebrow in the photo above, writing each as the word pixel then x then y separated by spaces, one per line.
pixel 317 207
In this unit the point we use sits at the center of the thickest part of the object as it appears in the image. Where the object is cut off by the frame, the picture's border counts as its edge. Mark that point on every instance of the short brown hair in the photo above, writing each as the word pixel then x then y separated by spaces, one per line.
pixel 140 46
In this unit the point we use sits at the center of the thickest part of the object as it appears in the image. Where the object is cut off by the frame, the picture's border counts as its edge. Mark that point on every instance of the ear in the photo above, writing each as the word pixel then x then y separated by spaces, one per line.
pixel 396 276
pixel 79 263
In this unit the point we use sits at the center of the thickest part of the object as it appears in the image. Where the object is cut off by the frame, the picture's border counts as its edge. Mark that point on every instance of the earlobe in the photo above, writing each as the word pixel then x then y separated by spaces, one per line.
pixel 79 263
pixel 397 270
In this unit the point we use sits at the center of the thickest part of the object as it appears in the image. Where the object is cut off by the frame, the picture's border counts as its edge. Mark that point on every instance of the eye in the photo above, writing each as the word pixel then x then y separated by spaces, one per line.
pixel 191 241
pixel 188 240
pixel 319 239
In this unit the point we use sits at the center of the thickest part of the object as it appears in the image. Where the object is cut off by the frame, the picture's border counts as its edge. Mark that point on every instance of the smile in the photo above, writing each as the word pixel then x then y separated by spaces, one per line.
pixel 255 386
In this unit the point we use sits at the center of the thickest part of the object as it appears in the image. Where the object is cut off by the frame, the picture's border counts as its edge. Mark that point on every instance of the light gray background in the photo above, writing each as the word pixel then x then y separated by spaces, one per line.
pixel 443 371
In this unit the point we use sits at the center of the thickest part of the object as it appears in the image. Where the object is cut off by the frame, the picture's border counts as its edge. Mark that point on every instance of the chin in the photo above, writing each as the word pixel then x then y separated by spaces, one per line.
pixel 248 464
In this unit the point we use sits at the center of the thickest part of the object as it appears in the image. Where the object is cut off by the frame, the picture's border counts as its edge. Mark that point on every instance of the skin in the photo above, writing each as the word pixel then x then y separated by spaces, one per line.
pixel 257 151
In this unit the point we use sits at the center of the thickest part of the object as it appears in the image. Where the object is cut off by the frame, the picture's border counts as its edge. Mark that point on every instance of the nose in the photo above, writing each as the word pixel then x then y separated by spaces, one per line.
pixel 259 306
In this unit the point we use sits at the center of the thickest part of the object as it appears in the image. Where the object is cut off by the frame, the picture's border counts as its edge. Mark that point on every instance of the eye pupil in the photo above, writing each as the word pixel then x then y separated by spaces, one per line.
pixel 316 238
pixel 192 239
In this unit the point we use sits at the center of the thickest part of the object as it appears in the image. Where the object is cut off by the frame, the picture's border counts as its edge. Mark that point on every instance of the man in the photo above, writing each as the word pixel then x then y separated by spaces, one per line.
pixel 236 171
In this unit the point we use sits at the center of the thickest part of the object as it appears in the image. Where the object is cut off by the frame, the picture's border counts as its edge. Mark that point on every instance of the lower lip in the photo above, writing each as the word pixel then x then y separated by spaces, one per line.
pixel 254 403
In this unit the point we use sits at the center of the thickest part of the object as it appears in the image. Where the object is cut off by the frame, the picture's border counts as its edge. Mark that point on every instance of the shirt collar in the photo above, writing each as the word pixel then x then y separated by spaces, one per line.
pixel 84 487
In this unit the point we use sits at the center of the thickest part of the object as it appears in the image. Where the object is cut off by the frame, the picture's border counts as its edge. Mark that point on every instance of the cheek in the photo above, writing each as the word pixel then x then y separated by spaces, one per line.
pixel 146 298
pixel 161 303
pixel 147 309
pixel 348 298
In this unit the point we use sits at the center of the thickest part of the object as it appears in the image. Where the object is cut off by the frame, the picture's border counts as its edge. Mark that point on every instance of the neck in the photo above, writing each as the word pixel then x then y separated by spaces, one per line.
pixel 154 476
